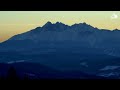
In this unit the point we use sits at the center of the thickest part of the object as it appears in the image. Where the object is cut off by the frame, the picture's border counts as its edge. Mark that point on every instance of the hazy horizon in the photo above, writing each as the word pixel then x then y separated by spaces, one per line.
pixel 16 22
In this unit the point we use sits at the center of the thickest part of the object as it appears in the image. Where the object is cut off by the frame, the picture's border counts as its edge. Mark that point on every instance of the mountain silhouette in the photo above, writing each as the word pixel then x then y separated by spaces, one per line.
pixel 79 47
pixel 57 35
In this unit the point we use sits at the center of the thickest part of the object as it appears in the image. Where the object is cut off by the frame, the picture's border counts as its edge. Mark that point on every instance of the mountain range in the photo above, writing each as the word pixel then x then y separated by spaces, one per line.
pixel 80 47
pixel 61 35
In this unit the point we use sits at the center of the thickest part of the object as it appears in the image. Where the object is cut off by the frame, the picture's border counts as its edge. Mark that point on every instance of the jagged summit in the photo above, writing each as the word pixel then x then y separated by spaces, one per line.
pixel 48 23
pixel 116 29
pixel 56 23
pixel 61 26
pixel 84 24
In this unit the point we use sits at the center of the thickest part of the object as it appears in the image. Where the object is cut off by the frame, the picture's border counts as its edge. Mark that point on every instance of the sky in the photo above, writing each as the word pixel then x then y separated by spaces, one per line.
pixel 16 22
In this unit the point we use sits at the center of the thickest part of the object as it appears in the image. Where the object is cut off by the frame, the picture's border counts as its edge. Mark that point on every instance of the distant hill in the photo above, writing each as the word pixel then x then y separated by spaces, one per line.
pixel 38 71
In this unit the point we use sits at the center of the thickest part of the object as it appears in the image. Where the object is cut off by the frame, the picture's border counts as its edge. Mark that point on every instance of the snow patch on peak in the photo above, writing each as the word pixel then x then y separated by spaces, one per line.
pixel 11 62
pixel 84 64
pixel 109 68
pixel 109 74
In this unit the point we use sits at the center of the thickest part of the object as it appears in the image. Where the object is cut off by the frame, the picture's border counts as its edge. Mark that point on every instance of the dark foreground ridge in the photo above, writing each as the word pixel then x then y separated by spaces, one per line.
pixel 19 71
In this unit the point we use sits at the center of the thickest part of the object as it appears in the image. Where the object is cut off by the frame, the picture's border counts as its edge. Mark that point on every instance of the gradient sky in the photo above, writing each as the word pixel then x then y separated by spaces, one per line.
pixel 15 22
